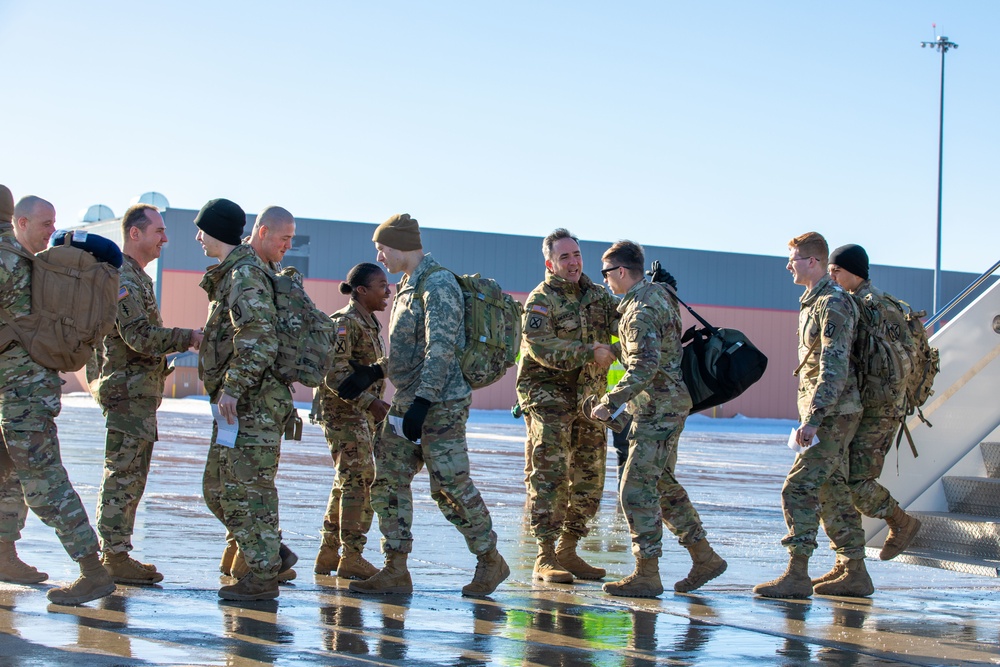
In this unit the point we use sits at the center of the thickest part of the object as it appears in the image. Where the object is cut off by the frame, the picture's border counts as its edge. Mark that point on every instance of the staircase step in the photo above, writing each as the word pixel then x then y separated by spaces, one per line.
pixel 944 561
pixel 973 495
pixel 991 455
pixel 968 536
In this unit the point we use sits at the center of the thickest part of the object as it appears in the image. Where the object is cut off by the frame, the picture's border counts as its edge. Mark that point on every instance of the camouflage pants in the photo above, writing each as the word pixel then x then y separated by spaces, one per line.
pixel 651 495
pixel 349 512
pixel 239 490
pixel 30 399
pixel 126 468
pixel 528 448
pixel 443 449
pixel 13 510
pixel 567 472
pixel 868 450
pixel 816 489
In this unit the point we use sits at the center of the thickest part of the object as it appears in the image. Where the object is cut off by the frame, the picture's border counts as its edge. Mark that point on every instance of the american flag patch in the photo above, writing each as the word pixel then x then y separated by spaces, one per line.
pixel 342 331
pixel 539 309
pixel 122 293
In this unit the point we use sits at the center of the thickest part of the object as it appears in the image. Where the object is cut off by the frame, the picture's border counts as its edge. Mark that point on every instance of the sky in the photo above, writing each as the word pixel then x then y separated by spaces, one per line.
pixel 719 125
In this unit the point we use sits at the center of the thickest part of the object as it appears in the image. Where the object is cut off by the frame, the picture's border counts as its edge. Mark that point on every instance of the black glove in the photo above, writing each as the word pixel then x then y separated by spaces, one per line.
pixel 362 378
pixel 658 274
pixel 413 420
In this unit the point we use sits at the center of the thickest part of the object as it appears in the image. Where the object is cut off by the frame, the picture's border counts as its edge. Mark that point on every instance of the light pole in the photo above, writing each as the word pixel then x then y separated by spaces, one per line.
pixel 941 44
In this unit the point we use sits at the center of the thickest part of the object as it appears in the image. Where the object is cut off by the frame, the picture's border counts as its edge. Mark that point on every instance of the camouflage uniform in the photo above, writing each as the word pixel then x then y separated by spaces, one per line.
pixel 236 356
pixel 350 429
pixel 816 486
pixel 425 330
pixel 561 321
pixel 30 399
pixel 659 402
pixel 130 372
pixel 878 424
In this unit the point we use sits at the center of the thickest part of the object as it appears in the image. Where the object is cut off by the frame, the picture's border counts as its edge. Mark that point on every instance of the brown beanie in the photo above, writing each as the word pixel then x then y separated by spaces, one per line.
pixel 399 232
pixel 6 204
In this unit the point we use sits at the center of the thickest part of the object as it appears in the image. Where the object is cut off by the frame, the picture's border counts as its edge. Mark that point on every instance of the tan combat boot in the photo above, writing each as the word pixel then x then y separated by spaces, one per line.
pixel 547 567
pixel 839 568
pixel 393 578
pixel 94 582
pixel 354 566
pixel 644 582
pixel 902 529
pixel 126 570
pixel 491 570
pixel 16 571
pixel 705 566
pixel 226 564
pixel 569 560
pixel 855 583
pixel 328 558
pixel 250 587
pixel 793 584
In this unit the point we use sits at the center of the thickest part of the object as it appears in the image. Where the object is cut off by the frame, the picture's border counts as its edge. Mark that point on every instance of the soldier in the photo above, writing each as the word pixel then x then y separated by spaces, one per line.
pixel 238 350
pixel 565 355
pixel 829 411
pixel 430 408
pixel 849 269
pixel 350 426
pixel 654 394
pixel 270 238
pixel 34 223
pixel 128 381
pixel 30 399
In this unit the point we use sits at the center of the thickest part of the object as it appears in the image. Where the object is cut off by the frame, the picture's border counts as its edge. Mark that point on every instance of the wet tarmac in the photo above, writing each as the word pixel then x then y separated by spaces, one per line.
pixel 732 469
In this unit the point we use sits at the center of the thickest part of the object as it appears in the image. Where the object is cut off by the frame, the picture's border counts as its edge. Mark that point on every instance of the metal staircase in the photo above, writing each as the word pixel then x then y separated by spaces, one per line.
pixel 953 486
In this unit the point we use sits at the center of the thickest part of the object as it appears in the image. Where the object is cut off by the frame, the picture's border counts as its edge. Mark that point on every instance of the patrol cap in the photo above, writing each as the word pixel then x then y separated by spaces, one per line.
pixel 399 232
pixel 853 258
pixel 223 220
pixel 6 204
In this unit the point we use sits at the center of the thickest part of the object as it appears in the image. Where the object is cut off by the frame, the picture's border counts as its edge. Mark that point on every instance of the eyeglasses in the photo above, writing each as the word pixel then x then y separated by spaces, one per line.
pixel 605 272
pixel 799 259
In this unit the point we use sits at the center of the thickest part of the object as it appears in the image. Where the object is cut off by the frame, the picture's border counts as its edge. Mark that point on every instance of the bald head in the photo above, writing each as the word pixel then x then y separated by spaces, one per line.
pixel 272 233
pixel 34 223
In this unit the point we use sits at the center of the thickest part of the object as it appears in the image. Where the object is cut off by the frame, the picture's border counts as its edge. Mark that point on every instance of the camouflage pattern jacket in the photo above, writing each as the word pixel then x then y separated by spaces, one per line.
pixel 561 321
pixel 828 383
pixel 650 335
pixel 15 275
pixel 240 345
pixel 132 364
pixel 894 327
pixel 359 338
pixel 426 332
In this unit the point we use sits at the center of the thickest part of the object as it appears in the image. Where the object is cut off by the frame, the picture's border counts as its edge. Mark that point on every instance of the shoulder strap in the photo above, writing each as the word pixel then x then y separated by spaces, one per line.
pixel 698 317
pixel 812 347
pixel 423 279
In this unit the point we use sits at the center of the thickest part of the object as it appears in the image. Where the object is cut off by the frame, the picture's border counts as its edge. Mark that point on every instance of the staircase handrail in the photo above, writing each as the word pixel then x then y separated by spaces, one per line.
pixel 938 316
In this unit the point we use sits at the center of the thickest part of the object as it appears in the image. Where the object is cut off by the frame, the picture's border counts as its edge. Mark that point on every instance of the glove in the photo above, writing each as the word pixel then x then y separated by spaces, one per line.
pixel 413 420
pixel 658 274
pixel 362 378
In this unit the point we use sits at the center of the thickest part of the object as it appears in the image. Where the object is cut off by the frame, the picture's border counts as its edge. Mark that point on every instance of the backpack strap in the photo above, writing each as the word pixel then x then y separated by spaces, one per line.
pixel 809 352
pixel 698 317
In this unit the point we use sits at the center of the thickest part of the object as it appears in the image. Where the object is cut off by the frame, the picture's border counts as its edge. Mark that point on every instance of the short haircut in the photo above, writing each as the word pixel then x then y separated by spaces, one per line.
pixel 25 206
pixel 812 244
pixel 628 254
pixel 550 240
pixel 136 217
pixel 272 217
pixel 360 276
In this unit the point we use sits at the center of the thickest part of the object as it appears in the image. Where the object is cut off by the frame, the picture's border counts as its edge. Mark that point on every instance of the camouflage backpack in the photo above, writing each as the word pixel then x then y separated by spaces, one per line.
pixel 305 333
pixel 925 360
pixel 492 328
pixel 880 353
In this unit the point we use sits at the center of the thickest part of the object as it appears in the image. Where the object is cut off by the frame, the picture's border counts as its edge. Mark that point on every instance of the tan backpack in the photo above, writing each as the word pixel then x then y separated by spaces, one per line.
pixel 74 303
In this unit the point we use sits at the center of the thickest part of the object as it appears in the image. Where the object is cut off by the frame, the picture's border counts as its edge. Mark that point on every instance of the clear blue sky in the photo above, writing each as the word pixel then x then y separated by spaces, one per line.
pixel 725 125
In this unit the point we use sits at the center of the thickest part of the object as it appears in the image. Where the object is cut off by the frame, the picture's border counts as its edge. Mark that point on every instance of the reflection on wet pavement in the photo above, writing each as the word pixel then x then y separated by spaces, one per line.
pixel 917 616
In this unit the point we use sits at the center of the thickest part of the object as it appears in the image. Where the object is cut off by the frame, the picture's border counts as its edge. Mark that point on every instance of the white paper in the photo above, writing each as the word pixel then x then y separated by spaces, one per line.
pixel 226 436
pixel 795 446
pixel 396 424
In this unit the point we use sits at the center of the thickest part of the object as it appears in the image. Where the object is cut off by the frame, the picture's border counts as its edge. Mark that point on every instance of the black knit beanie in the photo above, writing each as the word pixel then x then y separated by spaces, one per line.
pixel 223 220
pixel 6 204
pixel 853 258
